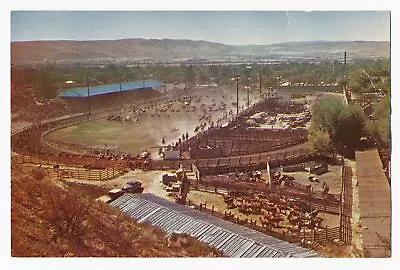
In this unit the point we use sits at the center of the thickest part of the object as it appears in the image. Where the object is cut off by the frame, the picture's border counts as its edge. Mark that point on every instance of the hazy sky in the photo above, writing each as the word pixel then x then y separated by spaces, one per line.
pixel 254 27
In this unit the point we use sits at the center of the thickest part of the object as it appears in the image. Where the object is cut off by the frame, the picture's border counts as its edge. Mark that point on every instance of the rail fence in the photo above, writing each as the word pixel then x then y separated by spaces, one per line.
pixel 65 172
pixel 338 204
pixel 215 166
pixel 224 142
pixel 346 203
pixel 321 235
pixel 87 174
pixel 50 125
pixel 384 154
pixel 316 199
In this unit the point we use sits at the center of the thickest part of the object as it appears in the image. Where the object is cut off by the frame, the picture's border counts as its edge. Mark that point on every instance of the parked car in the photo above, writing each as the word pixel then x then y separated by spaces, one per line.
pixel 135 188
pixel 319 169
pixel 135 183
pixel 115 193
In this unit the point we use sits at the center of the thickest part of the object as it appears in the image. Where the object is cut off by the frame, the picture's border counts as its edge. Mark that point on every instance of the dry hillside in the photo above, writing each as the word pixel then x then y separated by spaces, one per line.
pixel 51 219
pixel 68 51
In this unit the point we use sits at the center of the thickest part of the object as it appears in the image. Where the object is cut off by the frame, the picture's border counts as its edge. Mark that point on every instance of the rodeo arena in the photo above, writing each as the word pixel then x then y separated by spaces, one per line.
pixel 236 173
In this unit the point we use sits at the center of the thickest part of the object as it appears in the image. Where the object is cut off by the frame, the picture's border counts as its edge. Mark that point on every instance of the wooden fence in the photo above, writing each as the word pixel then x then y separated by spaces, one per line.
pixel 87 174
pixel 62 172
pixel 322 235
pixel 223 142
pixel 215 166
pixel 316 200
pixel 346 203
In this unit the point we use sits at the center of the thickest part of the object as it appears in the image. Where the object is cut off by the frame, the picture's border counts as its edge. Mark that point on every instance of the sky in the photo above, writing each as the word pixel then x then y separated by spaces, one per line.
pixel 237 28
pixel 305 26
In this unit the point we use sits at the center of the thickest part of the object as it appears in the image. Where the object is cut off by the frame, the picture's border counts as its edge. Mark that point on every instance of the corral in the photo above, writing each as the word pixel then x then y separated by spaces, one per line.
pixel 194 122
pixel 150 123
pixel 231 239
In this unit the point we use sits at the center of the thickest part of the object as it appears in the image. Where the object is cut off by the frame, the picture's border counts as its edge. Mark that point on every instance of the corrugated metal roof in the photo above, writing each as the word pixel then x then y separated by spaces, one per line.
pixel 109 88
pixel 232 239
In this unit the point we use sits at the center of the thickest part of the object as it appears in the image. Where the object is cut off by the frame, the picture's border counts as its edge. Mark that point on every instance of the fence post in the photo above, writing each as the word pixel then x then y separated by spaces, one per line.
pixel 326 233
pixel 212 209
pixel 99 175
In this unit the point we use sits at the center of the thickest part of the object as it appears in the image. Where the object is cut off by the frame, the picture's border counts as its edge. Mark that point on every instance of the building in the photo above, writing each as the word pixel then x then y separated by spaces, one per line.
pixel 93 97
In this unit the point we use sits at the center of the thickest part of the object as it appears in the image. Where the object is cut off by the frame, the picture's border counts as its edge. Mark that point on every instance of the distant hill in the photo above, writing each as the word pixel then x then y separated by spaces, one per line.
pixel 161 50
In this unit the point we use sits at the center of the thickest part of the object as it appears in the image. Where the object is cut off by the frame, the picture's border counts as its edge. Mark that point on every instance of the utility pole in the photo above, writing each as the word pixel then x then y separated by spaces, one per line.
pixel 268 83
pixel 237 94
pixel 344 71
pixel 346 92
pixel 259 75
pixel 248 88
pixel 165 85
pixel 120 91
pixel 88 95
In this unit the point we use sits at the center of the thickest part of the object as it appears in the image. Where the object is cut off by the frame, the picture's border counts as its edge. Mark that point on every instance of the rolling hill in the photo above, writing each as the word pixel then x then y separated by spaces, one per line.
pixel 162 50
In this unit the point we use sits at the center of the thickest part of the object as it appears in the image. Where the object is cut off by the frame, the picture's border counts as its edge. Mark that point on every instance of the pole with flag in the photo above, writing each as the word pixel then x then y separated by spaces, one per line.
pixel 268 172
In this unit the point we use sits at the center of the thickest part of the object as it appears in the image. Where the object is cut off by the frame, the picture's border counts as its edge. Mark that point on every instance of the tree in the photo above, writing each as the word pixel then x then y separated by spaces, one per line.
pixel 343 123
pixel 325 114
pixel 190 76
pixel 45 85
pixel 320 142
pixel 350 126
pixel 381 119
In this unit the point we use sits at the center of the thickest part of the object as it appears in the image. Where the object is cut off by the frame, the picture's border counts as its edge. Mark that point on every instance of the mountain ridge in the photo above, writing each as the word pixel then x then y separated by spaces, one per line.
pixel 164 50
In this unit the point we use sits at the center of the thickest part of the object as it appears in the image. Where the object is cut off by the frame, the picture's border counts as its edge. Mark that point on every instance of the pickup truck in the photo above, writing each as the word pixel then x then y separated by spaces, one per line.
pixel 133 187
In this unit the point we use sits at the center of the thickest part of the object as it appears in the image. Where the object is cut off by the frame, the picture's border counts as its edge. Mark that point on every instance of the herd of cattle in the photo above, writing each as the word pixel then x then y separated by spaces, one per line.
pixel 274 210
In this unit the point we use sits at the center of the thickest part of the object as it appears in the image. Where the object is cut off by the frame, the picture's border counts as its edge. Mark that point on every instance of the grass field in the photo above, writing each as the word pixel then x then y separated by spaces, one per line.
pixel 129 137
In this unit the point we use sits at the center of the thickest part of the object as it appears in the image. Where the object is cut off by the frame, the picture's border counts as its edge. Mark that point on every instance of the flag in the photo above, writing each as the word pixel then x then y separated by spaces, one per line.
pixel 268 172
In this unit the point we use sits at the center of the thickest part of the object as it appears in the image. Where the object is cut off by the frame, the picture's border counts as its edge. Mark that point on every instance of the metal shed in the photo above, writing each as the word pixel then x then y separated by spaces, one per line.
pixel 110 88
pixel 232 239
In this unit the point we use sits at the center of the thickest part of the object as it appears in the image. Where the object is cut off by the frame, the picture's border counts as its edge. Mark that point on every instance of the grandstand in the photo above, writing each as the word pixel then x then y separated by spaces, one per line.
pixel 110 95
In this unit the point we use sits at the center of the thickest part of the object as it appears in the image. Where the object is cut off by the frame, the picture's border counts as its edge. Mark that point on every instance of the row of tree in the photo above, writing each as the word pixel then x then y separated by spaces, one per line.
pixel 335 125
pixel 47 80
pixel 338 126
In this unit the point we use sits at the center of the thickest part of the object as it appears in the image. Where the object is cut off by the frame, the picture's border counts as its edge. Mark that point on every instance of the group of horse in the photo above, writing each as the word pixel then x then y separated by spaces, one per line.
pixel 118 118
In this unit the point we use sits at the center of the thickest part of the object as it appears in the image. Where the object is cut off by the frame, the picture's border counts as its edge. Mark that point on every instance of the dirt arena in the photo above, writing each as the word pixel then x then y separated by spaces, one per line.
pixel 168 120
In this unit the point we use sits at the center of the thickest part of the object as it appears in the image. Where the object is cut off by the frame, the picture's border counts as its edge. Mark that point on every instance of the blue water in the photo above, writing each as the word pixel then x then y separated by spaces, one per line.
pixel 108 88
